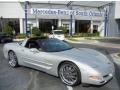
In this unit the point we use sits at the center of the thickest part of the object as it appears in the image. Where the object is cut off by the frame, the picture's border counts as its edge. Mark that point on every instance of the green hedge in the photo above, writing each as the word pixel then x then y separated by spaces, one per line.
pixel 8 29
pixel 86 34
pixel 119 54
pixel 20 36
pixel 36 31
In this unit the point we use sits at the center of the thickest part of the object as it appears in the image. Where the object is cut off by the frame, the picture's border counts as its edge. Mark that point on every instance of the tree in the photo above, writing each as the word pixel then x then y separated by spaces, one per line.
pixel 8 29
pixel 36 31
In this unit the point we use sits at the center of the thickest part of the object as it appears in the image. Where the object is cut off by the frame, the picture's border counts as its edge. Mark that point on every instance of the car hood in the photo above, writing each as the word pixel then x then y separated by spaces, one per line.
pixel 86 56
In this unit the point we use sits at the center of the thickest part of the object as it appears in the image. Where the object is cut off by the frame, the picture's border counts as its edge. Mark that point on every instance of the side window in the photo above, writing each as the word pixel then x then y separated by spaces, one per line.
pixel 32 44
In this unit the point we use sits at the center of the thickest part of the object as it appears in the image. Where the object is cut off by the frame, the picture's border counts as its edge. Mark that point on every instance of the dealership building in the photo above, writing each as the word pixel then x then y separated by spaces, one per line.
pixel 81 16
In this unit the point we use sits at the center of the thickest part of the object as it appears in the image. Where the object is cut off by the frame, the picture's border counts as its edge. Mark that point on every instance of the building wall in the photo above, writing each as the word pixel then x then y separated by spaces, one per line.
pixel 16 10
pixel 112 26
pixel 117 10
pixel 117 15
pixel 11 10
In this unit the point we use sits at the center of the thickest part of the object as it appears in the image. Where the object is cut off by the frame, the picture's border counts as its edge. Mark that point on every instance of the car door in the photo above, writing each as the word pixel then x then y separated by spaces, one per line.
pixel 35 58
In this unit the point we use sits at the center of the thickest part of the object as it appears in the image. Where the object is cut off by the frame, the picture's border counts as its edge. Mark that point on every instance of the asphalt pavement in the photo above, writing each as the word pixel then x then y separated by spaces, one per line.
pixel 24 78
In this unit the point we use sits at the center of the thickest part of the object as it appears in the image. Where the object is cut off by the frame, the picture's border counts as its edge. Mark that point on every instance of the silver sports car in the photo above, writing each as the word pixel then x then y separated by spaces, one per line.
pixel 58 58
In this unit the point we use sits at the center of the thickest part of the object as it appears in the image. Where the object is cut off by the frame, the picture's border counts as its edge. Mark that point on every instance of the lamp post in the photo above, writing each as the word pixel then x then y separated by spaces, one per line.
pixel 26 18
pixel 106 20
pixel 70 24
pixel 1 18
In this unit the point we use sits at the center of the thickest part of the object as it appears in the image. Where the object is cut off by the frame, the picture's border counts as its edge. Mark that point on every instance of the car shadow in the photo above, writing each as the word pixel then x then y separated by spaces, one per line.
pixel 117 73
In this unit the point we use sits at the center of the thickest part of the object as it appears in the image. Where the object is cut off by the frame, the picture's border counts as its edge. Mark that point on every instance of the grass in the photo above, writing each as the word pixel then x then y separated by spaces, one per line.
pixel 82 38
pixel 72 39
pixel 92 38
pixel 119 54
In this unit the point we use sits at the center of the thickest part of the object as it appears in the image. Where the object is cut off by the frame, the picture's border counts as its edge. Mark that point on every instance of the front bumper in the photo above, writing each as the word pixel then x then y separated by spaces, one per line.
pixel 105 79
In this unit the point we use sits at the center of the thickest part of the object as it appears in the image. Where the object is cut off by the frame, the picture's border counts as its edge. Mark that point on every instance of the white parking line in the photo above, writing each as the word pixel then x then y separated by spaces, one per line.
pixel 69 88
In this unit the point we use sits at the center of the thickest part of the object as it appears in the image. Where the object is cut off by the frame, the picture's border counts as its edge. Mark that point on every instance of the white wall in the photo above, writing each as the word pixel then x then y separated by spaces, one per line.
pixel 117 9
pixel 112 25
pixel 101 28
pixel 11 10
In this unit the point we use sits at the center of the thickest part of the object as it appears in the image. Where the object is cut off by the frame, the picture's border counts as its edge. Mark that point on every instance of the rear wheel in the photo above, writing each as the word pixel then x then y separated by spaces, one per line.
pixel 12 59
pixel 70 74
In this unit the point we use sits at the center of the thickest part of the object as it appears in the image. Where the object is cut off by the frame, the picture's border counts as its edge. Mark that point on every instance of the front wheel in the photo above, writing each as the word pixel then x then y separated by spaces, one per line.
pixel 70 74
pixel 12 59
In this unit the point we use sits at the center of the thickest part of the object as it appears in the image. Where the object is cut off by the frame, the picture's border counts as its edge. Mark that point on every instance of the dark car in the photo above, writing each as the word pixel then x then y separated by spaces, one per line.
pixel 5 38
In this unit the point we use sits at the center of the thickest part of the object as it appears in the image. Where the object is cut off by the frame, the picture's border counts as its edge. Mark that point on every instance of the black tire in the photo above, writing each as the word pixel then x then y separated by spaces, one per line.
pixel 2 41
pixel 12 59
pixel 70 74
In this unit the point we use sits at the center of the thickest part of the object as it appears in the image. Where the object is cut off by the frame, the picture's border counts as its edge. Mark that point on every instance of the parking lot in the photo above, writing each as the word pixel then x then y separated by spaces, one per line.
pixel 24 78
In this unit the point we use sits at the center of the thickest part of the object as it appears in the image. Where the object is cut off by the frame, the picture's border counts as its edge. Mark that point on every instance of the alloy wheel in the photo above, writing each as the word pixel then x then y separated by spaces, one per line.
pixel 69 74
pixel 12 59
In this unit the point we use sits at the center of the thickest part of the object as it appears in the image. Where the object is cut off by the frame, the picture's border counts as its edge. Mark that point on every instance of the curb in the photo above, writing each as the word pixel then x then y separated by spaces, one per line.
pixel 82 41
pixel 94 42
pixel 18 39
pixel 116 58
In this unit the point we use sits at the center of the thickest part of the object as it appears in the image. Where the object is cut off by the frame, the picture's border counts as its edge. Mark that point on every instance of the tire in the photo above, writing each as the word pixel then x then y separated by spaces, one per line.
pixel 12 59
pixel 2 41
pixel 70 74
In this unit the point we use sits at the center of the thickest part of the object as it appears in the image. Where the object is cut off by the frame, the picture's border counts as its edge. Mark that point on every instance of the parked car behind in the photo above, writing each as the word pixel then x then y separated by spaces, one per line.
pixel 57 34
pixel 5 38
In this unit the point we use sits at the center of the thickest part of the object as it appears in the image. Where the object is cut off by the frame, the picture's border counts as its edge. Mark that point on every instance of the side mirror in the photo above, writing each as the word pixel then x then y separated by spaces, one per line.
pixel 40 49
pixel 51 33
pixel 34 50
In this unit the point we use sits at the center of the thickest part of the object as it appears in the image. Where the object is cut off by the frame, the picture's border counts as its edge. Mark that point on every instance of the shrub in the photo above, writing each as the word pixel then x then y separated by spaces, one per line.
pixel 119 54
pixel 86 34
pixel 36 31
pixel 8 29
pixel 64 29
pixel 20 36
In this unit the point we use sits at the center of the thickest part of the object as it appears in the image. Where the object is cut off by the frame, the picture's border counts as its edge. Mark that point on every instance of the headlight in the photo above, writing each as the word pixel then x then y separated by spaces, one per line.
pixel 94 74
pixel 96 77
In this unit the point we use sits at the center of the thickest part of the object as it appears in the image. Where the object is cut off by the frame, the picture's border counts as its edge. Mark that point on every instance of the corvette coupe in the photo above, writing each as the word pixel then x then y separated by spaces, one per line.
pixel 58 58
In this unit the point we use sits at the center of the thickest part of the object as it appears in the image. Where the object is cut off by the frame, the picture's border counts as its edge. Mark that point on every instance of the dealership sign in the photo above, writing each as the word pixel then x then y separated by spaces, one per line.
pixel 39 11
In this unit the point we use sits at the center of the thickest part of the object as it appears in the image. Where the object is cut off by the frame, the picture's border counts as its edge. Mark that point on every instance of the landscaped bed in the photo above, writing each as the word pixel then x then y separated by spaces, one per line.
pixel 72 39
pixel 119 54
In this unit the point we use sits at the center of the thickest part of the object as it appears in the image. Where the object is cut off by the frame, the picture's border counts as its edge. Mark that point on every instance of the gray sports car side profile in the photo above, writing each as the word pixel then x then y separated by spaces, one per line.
pixel 58 58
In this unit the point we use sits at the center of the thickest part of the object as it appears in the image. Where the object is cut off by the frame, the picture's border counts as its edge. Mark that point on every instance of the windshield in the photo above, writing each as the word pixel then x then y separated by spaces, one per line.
pixel 58 32
pixel 53 45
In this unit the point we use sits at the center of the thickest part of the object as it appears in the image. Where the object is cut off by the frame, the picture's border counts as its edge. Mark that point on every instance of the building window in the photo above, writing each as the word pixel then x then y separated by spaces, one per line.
pixel 66 26
pixel 95 28
pixel 29 27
